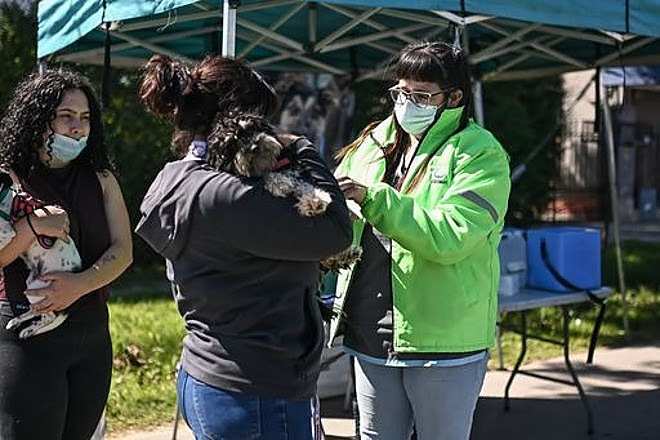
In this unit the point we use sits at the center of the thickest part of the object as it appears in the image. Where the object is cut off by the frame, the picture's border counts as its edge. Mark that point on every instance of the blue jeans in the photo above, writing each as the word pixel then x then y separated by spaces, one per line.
pixel 216 414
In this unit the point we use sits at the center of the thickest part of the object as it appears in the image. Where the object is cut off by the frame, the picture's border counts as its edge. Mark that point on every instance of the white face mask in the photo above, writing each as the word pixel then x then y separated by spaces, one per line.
pixel 414 119
pixel 66 149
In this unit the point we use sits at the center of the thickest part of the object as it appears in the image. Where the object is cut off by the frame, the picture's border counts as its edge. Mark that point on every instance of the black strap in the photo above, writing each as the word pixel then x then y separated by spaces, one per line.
pixel 561 279
pixel 43 240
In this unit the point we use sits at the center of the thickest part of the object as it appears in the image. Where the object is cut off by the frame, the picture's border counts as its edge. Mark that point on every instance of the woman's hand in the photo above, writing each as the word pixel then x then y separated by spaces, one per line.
pixel 352 190
pixel 51 221
pixel 64 289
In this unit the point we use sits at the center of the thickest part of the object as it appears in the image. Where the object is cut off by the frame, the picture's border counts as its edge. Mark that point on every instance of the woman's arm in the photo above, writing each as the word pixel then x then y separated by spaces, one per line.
pixel 52 222
pixel 119 256
pixel 469 211
pixel 65 287
pixel 21 241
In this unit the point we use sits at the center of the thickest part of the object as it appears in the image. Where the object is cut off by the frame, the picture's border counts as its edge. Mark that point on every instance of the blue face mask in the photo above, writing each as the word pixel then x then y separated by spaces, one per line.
pixel 66 149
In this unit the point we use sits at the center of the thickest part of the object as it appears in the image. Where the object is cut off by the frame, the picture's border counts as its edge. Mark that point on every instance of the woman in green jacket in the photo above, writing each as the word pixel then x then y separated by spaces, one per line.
pixel 419 309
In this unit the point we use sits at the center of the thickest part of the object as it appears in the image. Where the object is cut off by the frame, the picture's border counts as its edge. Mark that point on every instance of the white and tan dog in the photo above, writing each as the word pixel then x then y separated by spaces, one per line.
pixel 45 255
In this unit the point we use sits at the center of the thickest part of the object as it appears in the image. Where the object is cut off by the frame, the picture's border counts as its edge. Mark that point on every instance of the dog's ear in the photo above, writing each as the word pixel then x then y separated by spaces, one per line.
pixel 287 139
pixel 267 143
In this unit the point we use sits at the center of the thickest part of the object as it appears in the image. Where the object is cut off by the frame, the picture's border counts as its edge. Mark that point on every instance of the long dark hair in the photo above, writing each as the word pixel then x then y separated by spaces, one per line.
pixel 436 62
pixel 192 98
pixel 30 113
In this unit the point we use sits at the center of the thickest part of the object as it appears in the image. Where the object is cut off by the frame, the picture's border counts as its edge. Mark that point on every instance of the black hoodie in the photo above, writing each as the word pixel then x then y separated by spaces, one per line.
pixel 244 267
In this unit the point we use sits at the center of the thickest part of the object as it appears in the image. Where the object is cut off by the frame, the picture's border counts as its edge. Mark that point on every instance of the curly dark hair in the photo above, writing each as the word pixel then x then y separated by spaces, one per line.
pixel 192 97
pixel 30 113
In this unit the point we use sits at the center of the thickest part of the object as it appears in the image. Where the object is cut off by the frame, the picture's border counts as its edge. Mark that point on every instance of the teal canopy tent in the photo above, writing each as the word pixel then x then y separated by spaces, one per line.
pixel 505 39
pixel 508 39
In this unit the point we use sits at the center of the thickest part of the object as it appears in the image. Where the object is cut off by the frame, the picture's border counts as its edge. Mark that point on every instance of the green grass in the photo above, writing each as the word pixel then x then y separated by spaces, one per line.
pixel 147 333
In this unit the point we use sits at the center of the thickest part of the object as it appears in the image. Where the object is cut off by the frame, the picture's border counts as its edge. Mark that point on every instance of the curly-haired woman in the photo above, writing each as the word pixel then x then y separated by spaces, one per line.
pixel 55 385
pixel 244 264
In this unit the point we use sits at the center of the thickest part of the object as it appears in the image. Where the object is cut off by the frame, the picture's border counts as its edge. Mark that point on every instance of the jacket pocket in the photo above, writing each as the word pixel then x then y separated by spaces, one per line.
pixel 468 276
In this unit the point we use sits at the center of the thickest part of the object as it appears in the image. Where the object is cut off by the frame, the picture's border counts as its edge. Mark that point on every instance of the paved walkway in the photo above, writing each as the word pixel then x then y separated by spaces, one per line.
pixel 624 387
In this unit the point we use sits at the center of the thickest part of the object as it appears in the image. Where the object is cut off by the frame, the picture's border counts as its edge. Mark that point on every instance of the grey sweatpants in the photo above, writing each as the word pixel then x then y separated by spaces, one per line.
pixel 439 400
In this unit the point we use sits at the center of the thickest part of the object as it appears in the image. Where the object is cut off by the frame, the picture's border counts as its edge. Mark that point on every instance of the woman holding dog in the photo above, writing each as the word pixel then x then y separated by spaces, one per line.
pixel 419 309
pixel 55 385
pixel 244 264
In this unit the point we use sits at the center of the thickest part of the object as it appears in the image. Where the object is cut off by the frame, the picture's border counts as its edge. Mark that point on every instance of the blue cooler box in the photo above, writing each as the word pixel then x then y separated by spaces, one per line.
pixel 573 252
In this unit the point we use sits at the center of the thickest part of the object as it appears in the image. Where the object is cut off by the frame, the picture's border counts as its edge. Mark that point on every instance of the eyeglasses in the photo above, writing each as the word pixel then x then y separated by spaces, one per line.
pixel 399 95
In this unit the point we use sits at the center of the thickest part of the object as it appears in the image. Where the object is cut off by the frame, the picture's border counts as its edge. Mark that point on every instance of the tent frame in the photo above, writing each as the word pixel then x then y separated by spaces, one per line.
pixel 384 39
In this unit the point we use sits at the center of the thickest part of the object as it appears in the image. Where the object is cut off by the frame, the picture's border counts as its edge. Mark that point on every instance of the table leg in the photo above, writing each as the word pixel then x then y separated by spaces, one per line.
pixel 521 356
pixel 595 332
pixel 177 409
pixel 177 416
pixel 498 337
pixel 569 366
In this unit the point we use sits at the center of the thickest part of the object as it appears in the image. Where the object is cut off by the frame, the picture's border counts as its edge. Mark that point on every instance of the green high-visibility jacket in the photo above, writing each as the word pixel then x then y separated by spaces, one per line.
pixel 445 232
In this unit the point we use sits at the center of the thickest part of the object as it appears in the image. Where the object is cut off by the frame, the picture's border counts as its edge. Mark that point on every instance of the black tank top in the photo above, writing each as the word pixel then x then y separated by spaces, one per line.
pixel 76 188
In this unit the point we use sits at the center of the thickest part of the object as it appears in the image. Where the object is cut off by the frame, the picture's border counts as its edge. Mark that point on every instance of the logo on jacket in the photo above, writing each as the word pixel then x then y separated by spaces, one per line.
pixel 438 175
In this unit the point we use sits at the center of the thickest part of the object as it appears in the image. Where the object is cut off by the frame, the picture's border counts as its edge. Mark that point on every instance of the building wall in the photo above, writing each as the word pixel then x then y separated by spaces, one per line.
pixel 637 126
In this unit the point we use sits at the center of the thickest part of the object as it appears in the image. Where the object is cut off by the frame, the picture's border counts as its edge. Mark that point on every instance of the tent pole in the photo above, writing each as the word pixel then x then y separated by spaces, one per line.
pixel 614 200
pixel 478 102
pixel 42 65
pixel 229 28
pixel 477 96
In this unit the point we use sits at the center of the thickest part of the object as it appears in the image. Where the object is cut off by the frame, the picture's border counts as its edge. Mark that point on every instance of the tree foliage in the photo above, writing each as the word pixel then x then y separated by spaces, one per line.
pixel 522 114
pixel 18 31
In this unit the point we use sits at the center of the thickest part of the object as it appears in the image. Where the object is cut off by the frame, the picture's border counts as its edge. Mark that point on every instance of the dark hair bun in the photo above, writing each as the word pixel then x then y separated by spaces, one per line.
pixel 164 83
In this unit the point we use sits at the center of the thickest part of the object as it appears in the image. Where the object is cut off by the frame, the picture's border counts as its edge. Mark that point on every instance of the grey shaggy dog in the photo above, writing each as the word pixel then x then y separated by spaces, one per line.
pixel 249 147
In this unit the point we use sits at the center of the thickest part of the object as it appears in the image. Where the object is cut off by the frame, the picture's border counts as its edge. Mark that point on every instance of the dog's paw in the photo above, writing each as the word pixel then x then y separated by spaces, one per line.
pixel 13 323
pixel 43 324
pixel 343 260
pixel 313 203
pixel 16 322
